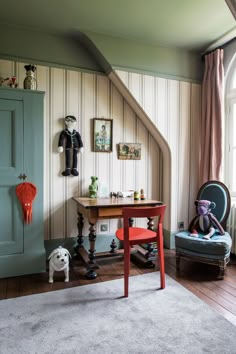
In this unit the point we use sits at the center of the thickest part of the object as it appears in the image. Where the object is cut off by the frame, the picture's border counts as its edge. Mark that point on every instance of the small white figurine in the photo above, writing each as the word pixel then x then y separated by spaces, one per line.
pixel 2 80
pixel 59 261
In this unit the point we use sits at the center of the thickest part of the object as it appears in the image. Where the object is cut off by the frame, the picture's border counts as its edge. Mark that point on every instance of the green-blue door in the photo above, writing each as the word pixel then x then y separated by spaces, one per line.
pixel 11 166
pixel 21 134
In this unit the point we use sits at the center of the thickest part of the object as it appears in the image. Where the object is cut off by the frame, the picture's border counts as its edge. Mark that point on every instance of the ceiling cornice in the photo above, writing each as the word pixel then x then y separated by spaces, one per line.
pixel 228 37
pixel 232 6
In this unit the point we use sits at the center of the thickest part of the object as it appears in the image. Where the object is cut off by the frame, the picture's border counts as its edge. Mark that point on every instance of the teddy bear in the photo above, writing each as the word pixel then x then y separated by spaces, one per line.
pixel 205 222
pixel 93 187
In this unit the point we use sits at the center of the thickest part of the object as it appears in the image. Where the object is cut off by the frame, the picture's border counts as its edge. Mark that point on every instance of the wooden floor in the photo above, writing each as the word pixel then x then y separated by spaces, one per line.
pixel 200 279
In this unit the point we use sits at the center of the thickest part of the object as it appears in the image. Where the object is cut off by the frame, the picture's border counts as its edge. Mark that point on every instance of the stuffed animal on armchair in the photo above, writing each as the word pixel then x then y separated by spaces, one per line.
pixel 205 222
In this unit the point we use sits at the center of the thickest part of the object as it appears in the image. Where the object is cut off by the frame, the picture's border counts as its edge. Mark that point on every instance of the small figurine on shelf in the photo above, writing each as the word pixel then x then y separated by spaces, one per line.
pixel 113 195
pixel 93 187
pixel 30 82
pixel 73 141
pixel 142 196
pixel 12 82
pixel 2 80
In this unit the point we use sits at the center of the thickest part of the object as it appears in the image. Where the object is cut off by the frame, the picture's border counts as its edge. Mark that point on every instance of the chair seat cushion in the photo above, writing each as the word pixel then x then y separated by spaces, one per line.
pixel 136 233
pixel 218 246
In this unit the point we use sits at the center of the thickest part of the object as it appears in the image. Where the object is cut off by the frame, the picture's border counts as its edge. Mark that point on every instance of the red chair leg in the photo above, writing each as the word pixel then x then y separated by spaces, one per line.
pixel 126 270
pixel 136 235
pixel 161 260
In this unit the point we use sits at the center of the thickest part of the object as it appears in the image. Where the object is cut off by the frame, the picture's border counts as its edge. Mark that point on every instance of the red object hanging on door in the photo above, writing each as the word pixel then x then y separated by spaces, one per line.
pixel 26 192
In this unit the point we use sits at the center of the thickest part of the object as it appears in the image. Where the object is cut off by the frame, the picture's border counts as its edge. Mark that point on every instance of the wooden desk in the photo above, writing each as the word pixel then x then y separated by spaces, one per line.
pixel 101 208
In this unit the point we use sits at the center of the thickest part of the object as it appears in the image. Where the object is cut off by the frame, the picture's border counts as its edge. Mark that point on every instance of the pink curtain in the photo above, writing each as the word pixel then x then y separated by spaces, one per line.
pixel 212 118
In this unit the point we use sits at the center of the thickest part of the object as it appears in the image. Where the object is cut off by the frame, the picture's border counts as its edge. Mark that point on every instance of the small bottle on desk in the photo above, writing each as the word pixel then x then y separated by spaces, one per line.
pixel 136 195
pixel 142 196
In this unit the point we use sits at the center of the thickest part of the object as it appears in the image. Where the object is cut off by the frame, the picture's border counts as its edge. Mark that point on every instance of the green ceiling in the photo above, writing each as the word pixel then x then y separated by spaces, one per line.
pixel 186 24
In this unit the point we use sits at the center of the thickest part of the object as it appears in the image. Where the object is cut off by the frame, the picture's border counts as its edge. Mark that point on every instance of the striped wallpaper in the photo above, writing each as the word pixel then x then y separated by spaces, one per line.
pixel 174 107
pixel 87 95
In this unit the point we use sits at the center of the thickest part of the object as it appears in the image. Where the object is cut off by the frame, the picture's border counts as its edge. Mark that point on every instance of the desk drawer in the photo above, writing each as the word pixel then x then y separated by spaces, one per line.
pixel 109 212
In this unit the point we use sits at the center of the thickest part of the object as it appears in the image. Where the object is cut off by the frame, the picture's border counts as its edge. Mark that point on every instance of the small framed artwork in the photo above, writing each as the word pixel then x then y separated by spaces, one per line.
pixel 102 134
pixel 129 151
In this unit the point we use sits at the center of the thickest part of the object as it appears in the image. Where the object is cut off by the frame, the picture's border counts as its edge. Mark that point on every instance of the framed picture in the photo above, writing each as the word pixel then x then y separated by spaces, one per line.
pixel 102 134
pixel 129 151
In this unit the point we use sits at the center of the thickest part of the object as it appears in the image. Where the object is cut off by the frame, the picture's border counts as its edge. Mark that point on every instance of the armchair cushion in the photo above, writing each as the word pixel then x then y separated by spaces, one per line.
pixel 218 247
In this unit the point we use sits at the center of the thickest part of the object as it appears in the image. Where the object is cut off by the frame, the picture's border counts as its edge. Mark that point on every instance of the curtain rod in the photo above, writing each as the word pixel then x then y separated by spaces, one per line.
pixel 222 46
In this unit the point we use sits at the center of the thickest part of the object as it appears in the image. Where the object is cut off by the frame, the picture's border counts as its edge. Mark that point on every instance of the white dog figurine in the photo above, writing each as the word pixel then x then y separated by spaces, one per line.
pixel 58 261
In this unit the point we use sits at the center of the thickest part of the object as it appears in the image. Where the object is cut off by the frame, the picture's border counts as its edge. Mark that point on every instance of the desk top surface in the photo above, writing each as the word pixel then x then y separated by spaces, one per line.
pixel 113 202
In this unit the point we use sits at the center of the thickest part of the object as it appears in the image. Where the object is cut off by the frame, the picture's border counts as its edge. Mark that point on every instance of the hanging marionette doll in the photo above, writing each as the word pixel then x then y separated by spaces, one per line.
pixel 73 144
pixel 26 192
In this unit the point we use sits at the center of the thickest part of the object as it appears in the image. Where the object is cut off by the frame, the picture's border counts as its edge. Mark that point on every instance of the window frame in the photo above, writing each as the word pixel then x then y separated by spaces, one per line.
pixel 230 140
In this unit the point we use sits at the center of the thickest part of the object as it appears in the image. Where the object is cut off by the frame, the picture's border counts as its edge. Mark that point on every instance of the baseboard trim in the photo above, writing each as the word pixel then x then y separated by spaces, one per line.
pixel 169 239
pixel 102 244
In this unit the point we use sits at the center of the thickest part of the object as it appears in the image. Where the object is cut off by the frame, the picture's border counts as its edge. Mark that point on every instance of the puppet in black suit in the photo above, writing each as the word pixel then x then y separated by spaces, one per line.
pixel 72 141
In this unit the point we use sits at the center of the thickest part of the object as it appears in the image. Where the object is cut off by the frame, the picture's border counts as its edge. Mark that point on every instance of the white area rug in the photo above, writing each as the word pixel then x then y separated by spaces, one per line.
pixel 96 318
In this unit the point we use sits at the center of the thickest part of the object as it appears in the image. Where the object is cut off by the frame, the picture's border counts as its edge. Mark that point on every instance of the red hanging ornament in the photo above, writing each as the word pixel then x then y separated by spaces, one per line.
pixel 26 192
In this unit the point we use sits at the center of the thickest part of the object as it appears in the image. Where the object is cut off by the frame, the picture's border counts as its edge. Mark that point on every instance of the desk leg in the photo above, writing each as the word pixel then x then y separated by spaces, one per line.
pixel 143 255
pixel 150 247
pixel 80 225
pixel 150 224
pixel 91 273
pixel 131 222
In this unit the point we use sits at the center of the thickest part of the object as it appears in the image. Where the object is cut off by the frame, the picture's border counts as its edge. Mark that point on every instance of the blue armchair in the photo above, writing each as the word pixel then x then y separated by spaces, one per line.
pixel 215 251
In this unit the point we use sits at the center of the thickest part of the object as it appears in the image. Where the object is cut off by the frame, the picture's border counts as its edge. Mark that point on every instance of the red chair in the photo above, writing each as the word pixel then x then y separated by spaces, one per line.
pixel 136 235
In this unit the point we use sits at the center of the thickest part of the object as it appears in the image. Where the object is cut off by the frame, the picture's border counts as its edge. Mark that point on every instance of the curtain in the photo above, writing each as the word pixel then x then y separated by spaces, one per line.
pixel 211 124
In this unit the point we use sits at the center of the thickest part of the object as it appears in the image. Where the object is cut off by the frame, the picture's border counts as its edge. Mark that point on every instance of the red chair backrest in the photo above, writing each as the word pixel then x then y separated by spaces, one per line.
pixel 143 212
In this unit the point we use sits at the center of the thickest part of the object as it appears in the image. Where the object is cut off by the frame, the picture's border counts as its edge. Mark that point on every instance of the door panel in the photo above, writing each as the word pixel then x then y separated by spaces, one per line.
pixel 11 166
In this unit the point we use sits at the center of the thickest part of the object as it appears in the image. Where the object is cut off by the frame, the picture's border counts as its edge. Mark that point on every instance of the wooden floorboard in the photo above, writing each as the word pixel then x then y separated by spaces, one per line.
pixel 200 279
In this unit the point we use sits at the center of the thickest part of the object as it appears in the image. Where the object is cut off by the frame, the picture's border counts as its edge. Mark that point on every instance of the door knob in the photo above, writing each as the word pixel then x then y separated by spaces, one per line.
pixel 22 176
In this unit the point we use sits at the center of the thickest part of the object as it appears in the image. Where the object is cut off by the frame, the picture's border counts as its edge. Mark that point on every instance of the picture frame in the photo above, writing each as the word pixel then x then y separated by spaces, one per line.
pixel 102 134
pixel 129 151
